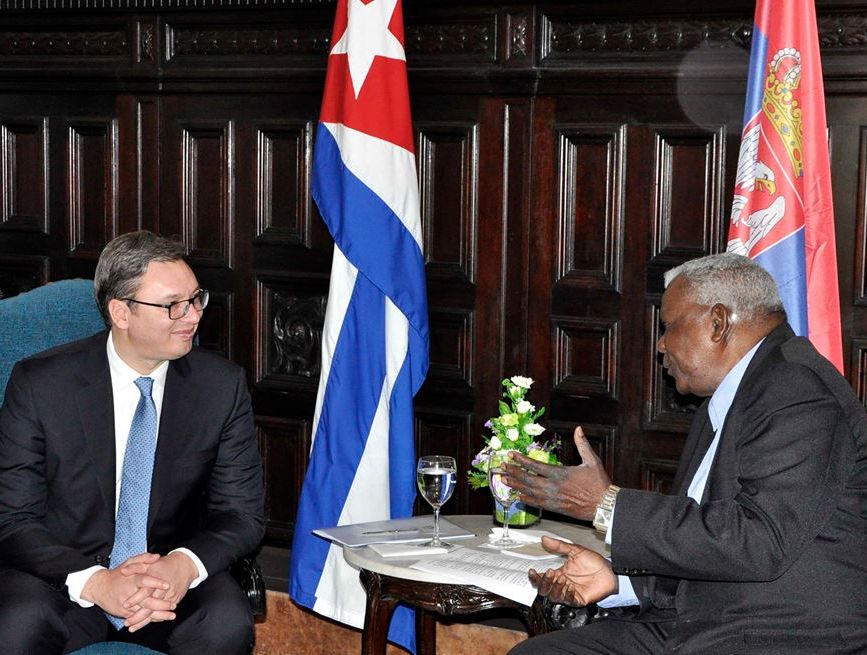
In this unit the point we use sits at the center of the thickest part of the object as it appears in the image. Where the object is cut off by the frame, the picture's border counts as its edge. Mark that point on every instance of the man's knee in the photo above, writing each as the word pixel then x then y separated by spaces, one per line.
pixel 227 629
pixel 31 615
pixel 219 622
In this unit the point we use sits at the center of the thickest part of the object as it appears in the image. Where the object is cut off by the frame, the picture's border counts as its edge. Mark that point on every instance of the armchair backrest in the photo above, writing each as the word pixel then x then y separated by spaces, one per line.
pixel 44 317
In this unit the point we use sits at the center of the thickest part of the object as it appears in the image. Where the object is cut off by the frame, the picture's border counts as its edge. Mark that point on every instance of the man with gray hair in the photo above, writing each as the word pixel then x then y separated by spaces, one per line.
pixel 759 549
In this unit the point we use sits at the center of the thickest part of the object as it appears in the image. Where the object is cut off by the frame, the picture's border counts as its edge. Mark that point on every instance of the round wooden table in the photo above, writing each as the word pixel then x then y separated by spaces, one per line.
pixel 388 582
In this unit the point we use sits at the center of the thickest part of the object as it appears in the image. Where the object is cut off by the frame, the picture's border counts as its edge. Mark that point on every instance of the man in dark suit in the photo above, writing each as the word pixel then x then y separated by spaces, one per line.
pixel 760 549
pixel 68 417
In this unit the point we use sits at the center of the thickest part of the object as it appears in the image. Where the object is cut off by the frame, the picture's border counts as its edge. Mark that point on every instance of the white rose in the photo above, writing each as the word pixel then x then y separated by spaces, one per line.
pixel 520 381
pixel 525 407
pixel 512 434
pixel 533 429
pixel 495 442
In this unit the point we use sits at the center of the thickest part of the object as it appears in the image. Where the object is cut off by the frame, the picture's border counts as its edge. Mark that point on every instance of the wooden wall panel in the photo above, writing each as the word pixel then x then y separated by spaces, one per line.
pixel 591 178
pixel 289 332
pixel 283 203
pixel 208 191
pixel 19 273
pixel 448 156
pixel 689 180
pixel 446 433
pixel 452 348
pixel 217 332
pixel 284 444
pixel 91 184
pixel 24 174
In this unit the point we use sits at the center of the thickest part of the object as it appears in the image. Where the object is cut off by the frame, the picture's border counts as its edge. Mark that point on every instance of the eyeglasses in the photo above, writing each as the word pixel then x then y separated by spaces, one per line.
pixel 179 308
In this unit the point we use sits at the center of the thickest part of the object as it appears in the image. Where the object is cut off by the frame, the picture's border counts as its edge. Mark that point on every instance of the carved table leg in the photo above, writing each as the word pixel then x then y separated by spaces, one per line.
pixel 377 616
pixel 425 633
pixel 536 622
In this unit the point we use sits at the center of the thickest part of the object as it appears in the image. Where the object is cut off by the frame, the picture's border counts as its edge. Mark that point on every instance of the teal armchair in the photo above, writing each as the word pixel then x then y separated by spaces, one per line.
pixel 47 316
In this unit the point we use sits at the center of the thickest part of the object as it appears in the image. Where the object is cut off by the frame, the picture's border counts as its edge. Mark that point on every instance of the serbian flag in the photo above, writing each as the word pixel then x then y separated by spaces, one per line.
pixel 782 214
pixel 375 338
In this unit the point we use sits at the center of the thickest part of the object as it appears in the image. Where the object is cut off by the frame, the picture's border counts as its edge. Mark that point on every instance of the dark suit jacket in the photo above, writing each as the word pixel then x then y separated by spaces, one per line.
pixel 57 463
pixel 774 560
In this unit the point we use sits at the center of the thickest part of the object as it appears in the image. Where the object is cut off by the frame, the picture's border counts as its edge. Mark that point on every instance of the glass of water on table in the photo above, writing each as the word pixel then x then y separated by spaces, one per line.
pixel 435 475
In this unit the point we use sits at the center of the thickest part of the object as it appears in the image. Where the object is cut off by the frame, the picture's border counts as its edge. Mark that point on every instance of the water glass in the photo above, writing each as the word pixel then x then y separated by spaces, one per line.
pixel 436 476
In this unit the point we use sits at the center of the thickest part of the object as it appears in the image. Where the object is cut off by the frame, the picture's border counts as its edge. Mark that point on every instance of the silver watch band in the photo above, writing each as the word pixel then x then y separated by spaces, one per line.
pixel 605 509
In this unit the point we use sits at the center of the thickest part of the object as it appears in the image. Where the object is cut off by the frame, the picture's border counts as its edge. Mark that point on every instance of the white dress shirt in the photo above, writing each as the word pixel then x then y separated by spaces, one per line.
pixel 126 396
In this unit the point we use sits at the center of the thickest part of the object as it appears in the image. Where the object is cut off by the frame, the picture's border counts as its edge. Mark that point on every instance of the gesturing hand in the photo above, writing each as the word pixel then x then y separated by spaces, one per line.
pixel 585 577
pixel 571 490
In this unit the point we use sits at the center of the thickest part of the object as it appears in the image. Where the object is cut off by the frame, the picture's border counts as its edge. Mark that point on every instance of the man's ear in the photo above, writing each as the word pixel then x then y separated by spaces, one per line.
pixel 119 313
pixel 721 322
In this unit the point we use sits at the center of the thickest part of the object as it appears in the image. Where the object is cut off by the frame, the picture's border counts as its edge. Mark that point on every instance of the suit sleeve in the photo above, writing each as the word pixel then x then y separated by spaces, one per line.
pixel 235 494
pixel 26 543
pixel 776 479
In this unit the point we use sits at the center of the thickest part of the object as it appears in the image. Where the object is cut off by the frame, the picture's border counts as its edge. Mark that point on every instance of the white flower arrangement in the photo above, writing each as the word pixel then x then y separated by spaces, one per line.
pixel 514 429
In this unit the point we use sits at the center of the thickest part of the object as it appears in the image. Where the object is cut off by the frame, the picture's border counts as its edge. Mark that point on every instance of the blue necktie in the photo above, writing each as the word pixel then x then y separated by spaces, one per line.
pixel 131 523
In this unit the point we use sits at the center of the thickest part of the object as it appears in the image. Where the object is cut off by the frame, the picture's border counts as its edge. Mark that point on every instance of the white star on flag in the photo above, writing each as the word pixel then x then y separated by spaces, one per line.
pixel 366 36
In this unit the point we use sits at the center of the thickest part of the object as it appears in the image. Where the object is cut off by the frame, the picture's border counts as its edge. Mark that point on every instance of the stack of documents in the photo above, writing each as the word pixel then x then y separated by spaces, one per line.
pixel 493 571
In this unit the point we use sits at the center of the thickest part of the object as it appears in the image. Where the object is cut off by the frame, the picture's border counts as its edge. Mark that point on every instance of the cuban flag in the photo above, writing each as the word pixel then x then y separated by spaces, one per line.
pixel 375 338
pixel 782 214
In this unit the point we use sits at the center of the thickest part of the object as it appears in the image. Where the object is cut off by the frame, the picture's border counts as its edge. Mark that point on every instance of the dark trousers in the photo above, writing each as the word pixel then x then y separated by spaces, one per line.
pixel 212 619
pixel 605 637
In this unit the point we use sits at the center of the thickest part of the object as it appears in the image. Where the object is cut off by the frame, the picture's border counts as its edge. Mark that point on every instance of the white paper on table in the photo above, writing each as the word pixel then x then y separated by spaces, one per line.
pixel 525 536
pixel 494 572
pixel 406 551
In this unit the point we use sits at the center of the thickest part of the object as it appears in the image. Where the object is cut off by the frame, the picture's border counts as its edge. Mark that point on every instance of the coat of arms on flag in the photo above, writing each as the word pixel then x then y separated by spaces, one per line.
pixel 782 212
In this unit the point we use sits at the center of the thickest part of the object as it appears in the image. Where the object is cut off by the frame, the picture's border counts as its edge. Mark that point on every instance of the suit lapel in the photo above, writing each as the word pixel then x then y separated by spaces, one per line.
pixel 96 416
pixel 697 443
pixel 701 431
pixel 173 416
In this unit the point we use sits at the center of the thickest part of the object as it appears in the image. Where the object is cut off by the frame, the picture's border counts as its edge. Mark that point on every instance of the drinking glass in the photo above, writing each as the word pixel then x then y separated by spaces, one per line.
pixel 435 475
pixel 503 494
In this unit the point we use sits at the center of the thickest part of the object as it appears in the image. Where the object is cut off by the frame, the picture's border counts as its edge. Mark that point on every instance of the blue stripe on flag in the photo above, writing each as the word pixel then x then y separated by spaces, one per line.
pixel 756 79
pixel 351 398
pixel 785 262
pixel 375 240
pixel 390 263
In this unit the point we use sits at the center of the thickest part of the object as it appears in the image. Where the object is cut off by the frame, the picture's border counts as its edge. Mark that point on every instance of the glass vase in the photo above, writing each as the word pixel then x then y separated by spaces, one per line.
pixel 520 515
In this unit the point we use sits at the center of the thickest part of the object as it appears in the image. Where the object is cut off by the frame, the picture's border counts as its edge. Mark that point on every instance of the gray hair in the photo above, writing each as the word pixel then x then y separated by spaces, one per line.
pixel 124 260
pixel 735 281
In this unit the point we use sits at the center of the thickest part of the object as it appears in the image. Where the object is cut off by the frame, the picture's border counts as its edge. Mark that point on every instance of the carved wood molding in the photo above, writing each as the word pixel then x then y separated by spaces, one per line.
pixel 83 43
pixel 187 41
pixel 463 38
pixel 565 37
pixel 843 31
pixel 150 5
pixel 297 335
pixel 568 37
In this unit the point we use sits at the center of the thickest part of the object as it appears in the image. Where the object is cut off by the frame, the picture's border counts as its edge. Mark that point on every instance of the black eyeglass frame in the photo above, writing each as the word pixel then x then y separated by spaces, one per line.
pixel 201 295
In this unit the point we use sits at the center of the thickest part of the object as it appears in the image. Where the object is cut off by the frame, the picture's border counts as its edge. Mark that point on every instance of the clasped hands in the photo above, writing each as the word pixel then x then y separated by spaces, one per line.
pixel 574 491
pixel 145 588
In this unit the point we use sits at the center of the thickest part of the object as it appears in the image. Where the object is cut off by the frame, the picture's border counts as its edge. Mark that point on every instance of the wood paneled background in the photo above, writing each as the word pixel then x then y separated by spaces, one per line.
pixel 568 154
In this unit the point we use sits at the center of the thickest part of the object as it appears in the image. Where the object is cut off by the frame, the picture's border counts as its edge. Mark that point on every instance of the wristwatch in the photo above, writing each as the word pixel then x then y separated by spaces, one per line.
pixel 605 509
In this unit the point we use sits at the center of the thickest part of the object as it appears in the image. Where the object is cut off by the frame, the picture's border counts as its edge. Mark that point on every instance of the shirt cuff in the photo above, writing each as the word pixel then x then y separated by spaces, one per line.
pixel 610 529
pixel 203 572
pixel 625 594
pixel 75 583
